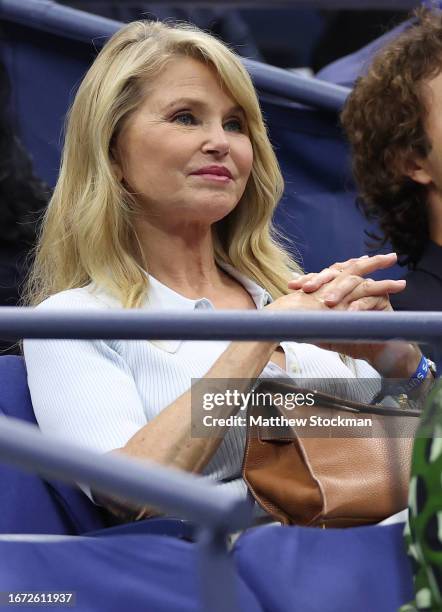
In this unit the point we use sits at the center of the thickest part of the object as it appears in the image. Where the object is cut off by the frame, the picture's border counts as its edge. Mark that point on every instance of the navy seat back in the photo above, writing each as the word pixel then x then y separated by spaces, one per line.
pixel 347 69
pixel 318 211
pixel 29 503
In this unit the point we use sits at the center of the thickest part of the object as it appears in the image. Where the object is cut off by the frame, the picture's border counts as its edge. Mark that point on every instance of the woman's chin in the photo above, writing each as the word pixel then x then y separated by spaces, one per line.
pixel 213 210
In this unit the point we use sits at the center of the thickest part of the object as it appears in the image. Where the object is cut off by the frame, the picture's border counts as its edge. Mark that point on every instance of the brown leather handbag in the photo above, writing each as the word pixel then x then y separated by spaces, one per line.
pixel 329 476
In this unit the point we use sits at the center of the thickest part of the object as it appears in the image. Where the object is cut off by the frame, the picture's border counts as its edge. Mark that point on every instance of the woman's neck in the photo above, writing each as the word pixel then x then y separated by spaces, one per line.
pixel 184 261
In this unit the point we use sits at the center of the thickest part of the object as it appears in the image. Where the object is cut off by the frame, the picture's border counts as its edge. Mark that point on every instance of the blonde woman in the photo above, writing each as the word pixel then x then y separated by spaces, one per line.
pixel 164 202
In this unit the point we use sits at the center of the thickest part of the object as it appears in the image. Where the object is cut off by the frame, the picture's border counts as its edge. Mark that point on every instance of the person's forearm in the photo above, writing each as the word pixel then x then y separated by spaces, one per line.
pixel 396 359
pixel 168 438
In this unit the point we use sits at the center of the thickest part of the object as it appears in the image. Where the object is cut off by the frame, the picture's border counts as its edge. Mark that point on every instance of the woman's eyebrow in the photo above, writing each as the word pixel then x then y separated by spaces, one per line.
pixel 199 104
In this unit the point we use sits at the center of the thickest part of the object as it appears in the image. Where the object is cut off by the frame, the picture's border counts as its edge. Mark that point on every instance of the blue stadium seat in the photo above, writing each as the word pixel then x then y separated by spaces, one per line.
pixel 29 503
pixel 32 504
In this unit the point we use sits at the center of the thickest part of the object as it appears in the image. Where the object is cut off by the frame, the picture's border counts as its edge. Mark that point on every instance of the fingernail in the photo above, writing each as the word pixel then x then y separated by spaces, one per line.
pixel 364 257
pixel 390 254
pixel 352 307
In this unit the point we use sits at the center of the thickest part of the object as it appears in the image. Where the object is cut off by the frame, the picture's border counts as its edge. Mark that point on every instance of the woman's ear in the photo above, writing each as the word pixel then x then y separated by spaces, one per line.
pixel 116 165
pixel 117 171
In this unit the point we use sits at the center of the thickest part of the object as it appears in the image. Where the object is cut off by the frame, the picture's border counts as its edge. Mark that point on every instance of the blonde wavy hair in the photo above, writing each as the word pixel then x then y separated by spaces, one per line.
pixel 88 230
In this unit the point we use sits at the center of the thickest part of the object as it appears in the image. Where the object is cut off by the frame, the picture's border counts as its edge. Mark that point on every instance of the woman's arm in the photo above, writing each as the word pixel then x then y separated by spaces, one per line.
pixel 168 438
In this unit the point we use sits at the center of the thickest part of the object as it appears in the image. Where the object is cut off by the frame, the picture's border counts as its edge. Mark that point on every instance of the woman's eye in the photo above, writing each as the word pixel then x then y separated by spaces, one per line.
pixel 234 125
pixel 188 119
pixel 185 119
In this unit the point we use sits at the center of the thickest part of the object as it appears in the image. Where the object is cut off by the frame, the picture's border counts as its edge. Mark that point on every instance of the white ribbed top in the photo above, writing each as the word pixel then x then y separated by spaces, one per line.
pixel 98 394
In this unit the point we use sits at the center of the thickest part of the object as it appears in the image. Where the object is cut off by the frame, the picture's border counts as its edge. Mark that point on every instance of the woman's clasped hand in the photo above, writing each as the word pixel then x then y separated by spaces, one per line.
pixel 343 286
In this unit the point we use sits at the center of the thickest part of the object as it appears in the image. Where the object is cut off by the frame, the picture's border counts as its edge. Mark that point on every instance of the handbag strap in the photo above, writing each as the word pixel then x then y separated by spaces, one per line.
pixel 331 401
pixel 326 400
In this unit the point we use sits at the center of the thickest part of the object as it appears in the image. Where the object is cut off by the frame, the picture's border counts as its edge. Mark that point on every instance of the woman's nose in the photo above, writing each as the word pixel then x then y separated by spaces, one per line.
pixel 216 141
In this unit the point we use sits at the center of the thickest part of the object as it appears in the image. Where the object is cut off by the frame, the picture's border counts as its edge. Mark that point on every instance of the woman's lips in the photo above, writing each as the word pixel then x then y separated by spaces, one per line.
pixel 213 177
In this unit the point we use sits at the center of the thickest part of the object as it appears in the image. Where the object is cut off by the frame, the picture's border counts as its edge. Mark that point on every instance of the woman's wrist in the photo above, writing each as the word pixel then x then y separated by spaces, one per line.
pixel 397 360
pixel 415 385
pixel 411 361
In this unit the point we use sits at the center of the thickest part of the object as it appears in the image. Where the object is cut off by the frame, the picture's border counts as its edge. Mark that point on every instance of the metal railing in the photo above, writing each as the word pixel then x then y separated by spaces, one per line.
pixel 179 493
pixel 224 325
pixel 324 4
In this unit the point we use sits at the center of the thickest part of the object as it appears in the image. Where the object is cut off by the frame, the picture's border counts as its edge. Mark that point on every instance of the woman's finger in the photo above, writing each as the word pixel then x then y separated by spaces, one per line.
pixel 338 290
pixel 365 264
pixel 313 281
pixel 380 302
pixel 371 288
pixel 328 274
pixel 352 288
pixel 368 265
pixel 300 280
pixel 358 266
pixel 341 266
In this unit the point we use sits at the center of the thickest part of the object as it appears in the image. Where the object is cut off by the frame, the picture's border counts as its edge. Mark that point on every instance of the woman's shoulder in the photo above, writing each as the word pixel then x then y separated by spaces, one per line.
pixel 88 297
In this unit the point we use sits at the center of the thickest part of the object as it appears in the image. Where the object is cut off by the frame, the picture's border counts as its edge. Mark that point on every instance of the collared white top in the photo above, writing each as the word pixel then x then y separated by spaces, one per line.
pixel 99 393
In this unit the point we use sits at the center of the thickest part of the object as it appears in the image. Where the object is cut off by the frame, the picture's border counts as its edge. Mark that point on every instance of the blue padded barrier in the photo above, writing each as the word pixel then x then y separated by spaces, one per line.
pixel 41 40
pixel 137 573
pixel 362 569
pixel 282 568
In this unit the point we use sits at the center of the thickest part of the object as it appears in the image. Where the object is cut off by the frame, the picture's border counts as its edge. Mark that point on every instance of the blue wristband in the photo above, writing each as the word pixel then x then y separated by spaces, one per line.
pixel 395 388
pixel 421 374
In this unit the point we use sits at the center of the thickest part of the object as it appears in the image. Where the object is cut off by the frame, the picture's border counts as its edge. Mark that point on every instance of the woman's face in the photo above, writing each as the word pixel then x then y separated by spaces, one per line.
pixel 187 124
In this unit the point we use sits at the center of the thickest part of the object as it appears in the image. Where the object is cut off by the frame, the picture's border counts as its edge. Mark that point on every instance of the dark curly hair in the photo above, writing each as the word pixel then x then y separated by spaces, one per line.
pixel 384 120
pixel 22 195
